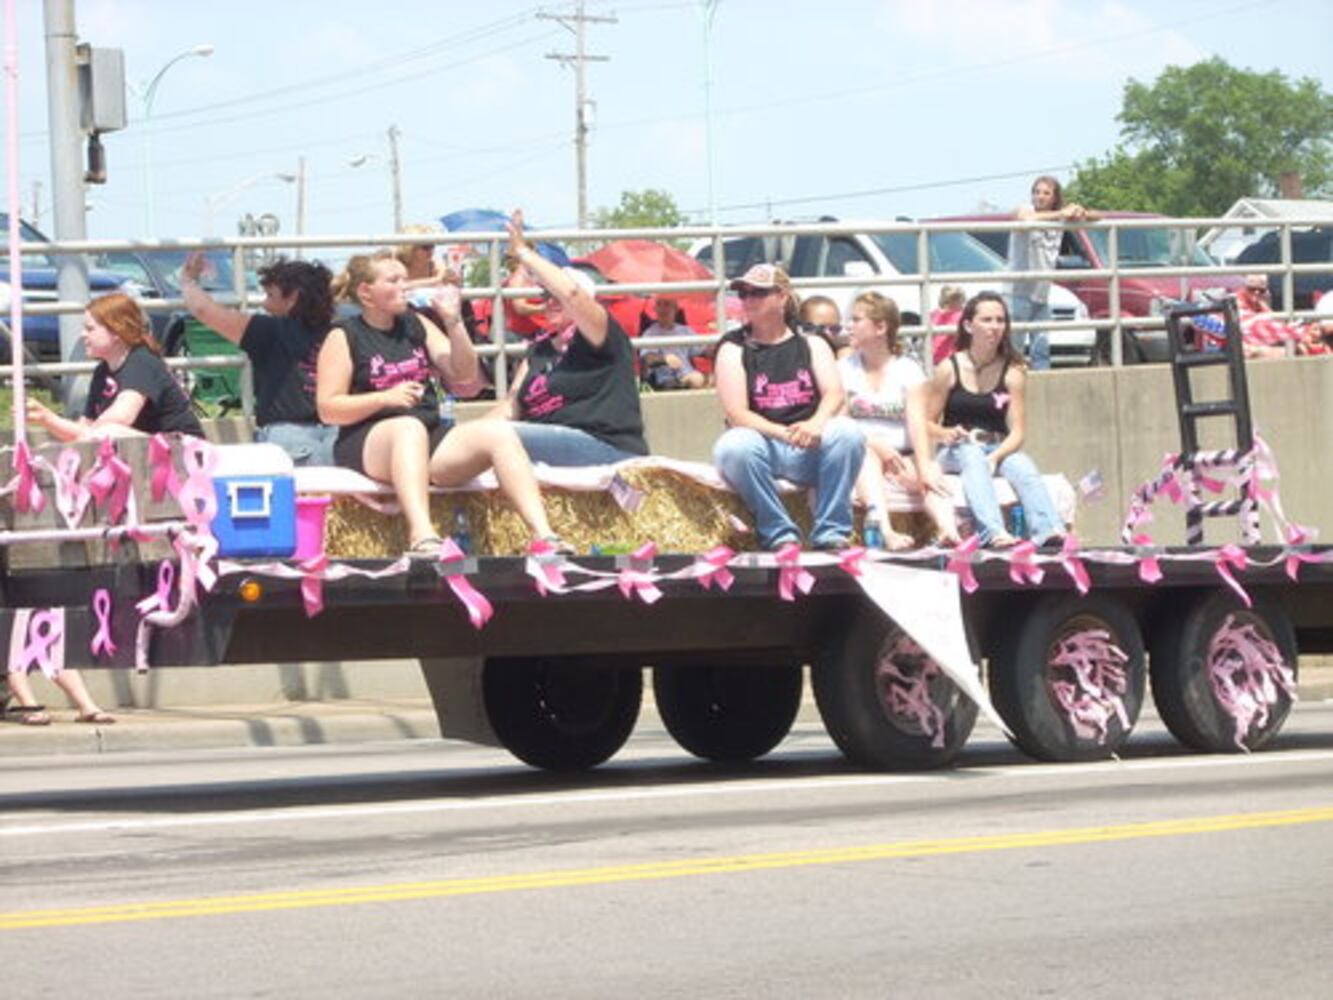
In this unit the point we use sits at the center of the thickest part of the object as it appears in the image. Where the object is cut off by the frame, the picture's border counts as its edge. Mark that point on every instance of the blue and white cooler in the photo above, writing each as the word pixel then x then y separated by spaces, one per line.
pixel 256 494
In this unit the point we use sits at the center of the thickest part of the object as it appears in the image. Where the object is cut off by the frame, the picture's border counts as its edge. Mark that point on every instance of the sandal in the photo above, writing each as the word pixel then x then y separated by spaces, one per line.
pixel 429 547
pixel 1002 540
pixel 30 715
pixel 99 717
pixel 558 546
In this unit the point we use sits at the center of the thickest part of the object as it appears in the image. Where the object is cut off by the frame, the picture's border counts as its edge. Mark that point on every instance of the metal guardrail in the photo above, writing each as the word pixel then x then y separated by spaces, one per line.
pixel 923 280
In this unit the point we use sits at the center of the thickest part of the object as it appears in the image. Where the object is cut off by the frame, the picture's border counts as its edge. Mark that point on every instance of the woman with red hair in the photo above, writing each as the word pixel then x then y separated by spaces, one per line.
pixel 132 391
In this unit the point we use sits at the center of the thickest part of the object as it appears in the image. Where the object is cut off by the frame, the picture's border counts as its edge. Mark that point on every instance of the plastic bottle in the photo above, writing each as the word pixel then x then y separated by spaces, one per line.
pixel 872 536
pixel 1018 521
pixel 446 407
pixel 462 533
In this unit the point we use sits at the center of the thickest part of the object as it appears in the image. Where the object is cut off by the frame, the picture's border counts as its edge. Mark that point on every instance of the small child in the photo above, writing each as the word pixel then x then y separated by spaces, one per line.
pixel 952 298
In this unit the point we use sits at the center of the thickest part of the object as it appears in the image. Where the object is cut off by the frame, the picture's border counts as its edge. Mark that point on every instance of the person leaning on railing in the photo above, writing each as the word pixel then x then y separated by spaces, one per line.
pixel 283 343
pixel 132 391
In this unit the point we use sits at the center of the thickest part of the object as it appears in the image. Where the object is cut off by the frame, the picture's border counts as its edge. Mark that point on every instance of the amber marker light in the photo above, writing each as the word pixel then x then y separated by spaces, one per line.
pixel 250 591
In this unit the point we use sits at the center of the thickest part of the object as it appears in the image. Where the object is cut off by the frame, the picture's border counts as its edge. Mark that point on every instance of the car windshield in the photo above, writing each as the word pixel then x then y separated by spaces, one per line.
pixel 28 235
pixel 950 253
pixel 1159 247
pixel 218 274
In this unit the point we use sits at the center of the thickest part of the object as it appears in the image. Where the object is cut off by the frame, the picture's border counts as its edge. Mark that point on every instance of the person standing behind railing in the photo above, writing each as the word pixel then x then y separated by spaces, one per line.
pixel 283 344
pixel 1038 250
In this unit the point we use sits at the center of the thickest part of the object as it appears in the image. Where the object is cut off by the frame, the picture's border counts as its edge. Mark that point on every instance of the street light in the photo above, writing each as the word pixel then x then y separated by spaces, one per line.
pixel 148 94
pixel 213 201
pixel 395 173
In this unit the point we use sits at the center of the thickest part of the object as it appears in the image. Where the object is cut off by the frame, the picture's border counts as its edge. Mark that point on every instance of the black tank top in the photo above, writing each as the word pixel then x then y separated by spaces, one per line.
pixel 983 411
pixel 779 378
pixel 382 359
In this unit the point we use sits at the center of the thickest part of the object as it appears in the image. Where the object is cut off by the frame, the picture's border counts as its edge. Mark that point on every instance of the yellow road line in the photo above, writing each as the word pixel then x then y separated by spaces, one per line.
pixel 312 898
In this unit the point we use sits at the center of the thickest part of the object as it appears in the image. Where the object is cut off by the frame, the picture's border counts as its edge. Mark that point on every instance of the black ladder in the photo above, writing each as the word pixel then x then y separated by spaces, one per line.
pixel 1187 354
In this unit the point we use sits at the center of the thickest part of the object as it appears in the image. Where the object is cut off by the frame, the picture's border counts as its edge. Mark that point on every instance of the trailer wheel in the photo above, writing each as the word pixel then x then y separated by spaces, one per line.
pixel 557 714
pixel 728 714
pixel 1068 678
pixel 1223 675
pixel 885 702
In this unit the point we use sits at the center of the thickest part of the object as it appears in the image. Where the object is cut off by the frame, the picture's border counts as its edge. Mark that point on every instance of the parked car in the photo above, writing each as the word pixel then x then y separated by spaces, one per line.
pixel 876 257
pixel 1089 249
pixel 41 334
pixel 1308 246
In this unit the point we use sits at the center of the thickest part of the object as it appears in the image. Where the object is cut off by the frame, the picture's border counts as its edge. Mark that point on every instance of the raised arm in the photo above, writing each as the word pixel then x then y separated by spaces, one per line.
pixel 231 323
pixel 588 314
pixel 450 349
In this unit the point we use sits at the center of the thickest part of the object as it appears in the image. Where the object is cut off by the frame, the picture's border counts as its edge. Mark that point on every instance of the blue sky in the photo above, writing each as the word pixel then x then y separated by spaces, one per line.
pixel 854 108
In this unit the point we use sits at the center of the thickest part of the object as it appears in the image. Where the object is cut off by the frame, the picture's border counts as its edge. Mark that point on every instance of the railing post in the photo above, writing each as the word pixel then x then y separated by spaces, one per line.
pixel 500 373
pixel 720 271
pixel 923 268
pixel 1117 332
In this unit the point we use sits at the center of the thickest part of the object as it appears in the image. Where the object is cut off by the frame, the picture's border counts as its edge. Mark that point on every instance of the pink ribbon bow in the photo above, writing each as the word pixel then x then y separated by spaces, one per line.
pixel 850 560
pixel 1232 557
pixel 164 479
pixel 960 563
pixel 637 577
pixel 110 481
pixel 312 583
pixel 199 503
pixel 1150 571
pixel 544 566
pixel 28 496
pixel 1023 567
pixel 1297 538
pixel 1073 565
pixel 479 610
pixel 102 644
pixel 792 576
pixel 716 560
pixel 37 639
pixel 71 497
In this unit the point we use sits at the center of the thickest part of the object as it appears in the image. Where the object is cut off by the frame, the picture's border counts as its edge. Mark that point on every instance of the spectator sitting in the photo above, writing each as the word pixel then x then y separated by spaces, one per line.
pixel 575 397
pixel 979 399
pixel 132 391
pixel 781 395
pixel 948 314
pixel 669 367
pixel 819 316
pixel 423 269
pixel 524 317
pixel 283 344
pixel 1263 335
pixel 1320 340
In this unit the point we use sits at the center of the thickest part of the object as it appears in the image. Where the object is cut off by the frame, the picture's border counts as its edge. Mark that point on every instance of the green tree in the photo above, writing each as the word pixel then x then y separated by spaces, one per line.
pixel 1200 137
pixel 646 209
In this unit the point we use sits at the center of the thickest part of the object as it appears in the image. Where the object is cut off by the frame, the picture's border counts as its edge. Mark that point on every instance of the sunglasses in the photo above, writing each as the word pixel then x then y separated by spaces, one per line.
pixel 823 329
pixel 747 292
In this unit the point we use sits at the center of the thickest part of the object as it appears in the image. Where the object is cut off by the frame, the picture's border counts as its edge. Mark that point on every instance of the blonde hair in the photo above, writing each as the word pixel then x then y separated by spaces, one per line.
pixel 359 270
pixel 952 297
pixel 882 309
pixel 404 250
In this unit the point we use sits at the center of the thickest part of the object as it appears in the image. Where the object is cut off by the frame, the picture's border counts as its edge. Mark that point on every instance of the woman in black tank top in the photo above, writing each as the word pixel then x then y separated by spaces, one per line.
pixel 975 409
pixel 375 384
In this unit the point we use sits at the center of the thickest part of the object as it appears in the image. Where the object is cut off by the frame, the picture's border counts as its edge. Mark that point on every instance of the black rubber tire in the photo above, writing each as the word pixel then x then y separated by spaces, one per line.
pixel 556 713
pixel 1181 683
pixel 1021 675
pixel 850 692
pixel 728 714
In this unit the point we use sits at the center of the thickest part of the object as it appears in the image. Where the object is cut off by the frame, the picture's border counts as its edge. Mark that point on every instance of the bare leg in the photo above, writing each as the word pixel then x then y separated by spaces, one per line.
pixel 71 682
pixel 472 448
pixel 870 488
pixel 938 508
pixel 395 452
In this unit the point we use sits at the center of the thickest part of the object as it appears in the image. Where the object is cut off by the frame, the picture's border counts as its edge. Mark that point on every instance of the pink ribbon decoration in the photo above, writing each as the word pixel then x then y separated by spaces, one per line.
pixel 199 504
pixel 637 578
pixel 1022 564
pixel 1246 671
pixel 28 496
pixel 71 497
pixel 960 563
pixel 792 576
pixel 715 559
pixel 164 478
pixel 544 566
pixel 110 481
pixel 1209 483
pixel 1229 557
pixel 161 599
pixel 1150 571
pixel 1089 681
pixel 1001 400
pixel 1171 487
pixel 312 583
pixel 850 560
pixel 904 675
pixel 1298 537
pixel 1073 565
pixel 37 639
pixel 479 610
pixel 102 644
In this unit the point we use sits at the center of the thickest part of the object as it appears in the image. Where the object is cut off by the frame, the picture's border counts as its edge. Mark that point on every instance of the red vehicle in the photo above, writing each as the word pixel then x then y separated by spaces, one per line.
pixel 1089 249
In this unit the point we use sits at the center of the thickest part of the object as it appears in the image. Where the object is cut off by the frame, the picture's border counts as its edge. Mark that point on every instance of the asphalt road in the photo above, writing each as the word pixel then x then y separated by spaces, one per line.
pixel 424 868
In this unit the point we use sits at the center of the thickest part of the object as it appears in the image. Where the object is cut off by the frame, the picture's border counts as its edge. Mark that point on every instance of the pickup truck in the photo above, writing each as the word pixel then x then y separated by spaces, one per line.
pixel 880 257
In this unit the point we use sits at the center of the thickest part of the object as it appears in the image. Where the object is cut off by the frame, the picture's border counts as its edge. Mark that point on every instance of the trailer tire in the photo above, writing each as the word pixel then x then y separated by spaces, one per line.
pixel 859 700
pixel 728 714
pixel 558 714
pixel 1184 687
pixel 1027 687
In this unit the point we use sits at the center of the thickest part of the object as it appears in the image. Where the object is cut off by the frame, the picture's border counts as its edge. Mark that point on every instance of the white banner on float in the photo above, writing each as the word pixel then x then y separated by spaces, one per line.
pixel 927 605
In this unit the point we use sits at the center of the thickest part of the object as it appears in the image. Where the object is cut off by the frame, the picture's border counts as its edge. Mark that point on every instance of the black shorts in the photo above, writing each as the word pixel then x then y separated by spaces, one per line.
pixel 350 448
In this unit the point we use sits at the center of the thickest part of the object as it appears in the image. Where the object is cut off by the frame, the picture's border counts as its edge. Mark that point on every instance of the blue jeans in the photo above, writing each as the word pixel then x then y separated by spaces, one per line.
pixel 308 444
pixel 1024 310
pixel 751 463
pixel 556 444
pixel 969 460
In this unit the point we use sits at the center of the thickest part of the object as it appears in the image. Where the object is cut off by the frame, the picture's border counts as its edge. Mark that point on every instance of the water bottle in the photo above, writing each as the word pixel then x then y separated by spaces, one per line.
pixel 446 407
pixel 1018 522
pixel 872 536
pixel 462 534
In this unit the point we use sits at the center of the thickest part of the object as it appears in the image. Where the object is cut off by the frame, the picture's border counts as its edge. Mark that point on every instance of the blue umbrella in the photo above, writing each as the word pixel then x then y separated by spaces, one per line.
pixel 487 220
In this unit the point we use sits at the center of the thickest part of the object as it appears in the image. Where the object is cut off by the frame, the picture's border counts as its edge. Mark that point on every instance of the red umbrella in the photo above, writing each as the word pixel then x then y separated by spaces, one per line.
pixel 646 261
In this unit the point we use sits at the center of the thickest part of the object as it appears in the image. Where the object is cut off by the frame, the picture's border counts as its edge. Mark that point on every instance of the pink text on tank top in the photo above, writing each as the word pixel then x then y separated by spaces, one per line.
pixel 386 374
pixel 780 395
pixel 539 401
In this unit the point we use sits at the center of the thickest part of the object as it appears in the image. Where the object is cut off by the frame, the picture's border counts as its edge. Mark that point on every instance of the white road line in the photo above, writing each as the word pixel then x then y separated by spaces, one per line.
pixel 763 787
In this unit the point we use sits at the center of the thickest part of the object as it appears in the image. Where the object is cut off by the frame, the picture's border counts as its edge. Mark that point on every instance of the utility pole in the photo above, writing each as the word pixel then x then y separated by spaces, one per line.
pixel 395 171
pixel 36 216
pixel 582 105
pixel 300 201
